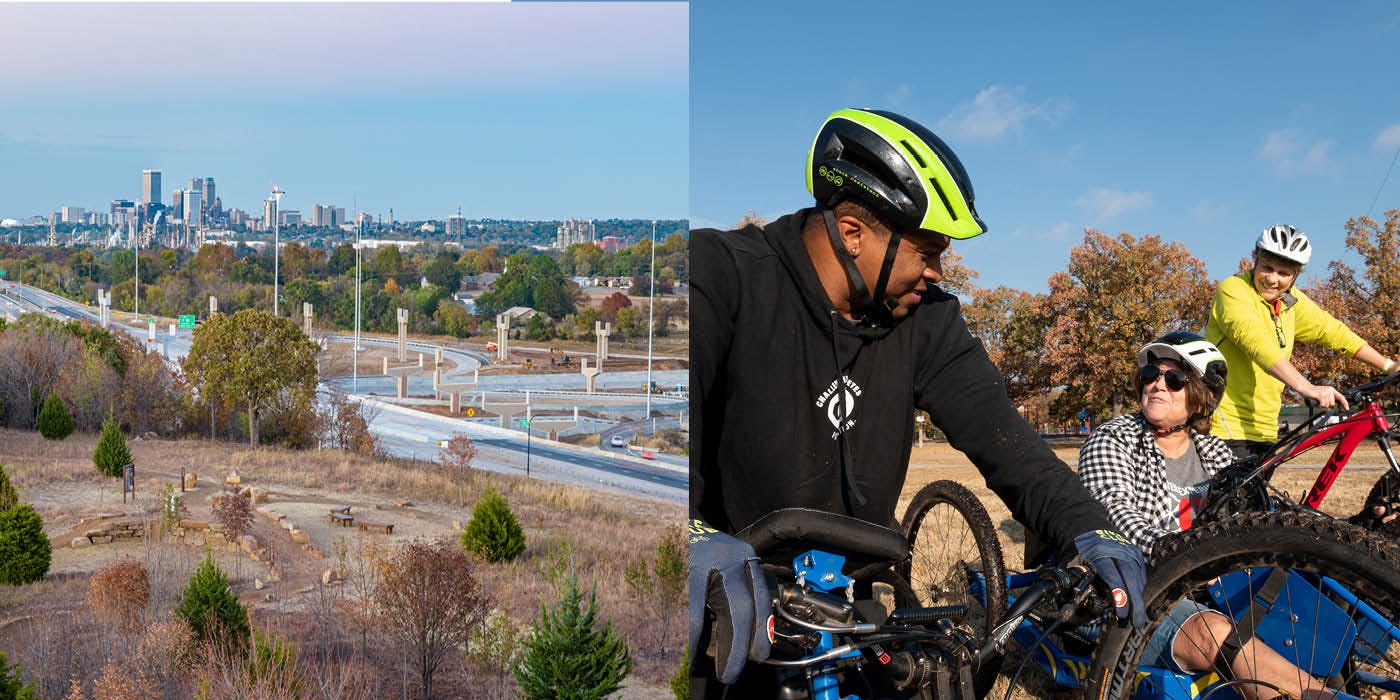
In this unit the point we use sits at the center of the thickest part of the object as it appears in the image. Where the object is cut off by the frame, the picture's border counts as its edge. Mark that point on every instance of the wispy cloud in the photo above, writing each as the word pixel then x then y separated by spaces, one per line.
pixel 1290 151
pixel 1389 138
pixel 899 96
pixel 999 111
pixel 1103 205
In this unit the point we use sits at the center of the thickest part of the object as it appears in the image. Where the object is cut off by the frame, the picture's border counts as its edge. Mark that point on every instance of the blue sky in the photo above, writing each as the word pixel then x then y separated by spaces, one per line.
pixel 1198 122
pixel 528 111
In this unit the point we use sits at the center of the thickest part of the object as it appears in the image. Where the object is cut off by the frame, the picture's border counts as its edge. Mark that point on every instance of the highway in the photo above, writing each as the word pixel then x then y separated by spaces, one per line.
pixel 407 433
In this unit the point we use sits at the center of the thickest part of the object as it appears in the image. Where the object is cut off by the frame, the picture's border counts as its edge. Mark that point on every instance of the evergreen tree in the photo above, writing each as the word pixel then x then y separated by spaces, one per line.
pixel 494 533
pixel 24 548
pixel 211 610
pixel 111 453
pixel 680 683
pixel 9 497
pixel 565 658
pixel 12 687
pixel 55 422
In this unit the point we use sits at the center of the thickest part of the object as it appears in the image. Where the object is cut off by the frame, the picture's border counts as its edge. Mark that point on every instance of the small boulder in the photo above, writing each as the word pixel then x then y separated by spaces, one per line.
pixel 327 576
pixel 81 542
pixel 233 478
pixel 456 525
pixel 191 479
pixel 258 584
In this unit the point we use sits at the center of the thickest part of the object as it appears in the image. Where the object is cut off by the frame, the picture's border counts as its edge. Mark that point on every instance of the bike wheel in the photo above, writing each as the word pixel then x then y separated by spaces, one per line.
pixel 1322 576
pixel 955 556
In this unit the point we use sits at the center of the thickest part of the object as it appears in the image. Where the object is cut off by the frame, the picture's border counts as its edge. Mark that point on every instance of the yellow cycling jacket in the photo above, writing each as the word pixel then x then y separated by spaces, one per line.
pixel 1252 339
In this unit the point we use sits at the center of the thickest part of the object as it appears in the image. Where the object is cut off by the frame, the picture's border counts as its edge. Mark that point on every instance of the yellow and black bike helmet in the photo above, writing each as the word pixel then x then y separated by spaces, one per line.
pixel 897 168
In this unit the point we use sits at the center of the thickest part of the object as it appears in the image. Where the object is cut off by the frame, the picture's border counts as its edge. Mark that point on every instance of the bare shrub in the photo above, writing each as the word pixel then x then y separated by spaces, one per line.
pixel 430 603
pixel 119 683
pixel 119 593
pixel 347 426
pixel 33 353
pixel 457 457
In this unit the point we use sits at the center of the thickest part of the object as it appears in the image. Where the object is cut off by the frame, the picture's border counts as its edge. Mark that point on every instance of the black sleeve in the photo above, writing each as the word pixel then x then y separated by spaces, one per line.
pixel 964 393
pixel 714 294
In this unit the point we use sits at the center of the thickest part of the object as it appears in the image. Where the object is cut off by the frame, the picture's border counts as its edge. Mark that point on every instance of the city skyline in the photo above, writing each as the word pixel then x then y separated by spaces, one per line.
pixel 522 111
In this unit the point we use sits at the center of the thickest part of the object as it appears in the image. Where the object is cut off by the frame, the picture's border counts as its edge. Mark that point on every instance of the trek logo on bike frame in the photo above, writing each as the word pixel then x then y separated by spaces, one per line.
pixel 828 400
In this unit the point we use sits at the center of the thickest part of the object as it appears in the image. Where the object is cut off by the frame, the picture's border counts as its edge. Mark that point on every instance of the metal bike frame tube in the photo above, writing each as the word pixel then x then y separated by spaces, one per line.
pixel 1366 422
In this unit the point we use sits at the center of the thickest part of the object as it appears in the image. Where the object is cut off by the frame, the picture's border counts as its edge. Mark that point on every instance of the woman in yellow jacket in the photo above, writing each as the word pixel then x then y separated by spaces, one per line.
pixel 1255 319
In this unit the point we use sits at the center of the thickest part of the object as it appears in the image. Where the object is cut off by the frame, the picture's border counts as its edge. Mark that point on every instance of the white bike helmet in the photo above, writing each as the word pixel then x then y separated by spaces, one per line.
pixel 1286 242
pixel 1193 351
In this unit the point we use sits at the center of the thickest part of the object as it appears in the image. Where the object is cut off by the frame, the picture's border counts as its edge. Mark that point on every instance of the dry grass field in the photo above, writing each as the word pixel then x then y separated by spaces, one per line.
pixel 568 529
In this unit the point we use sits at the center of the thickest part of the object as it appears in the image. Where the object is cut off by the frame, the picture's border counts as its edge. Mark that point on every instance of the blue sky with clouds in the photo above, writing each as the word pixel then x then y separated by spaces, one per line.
pixel 1198 122
pixel 538 110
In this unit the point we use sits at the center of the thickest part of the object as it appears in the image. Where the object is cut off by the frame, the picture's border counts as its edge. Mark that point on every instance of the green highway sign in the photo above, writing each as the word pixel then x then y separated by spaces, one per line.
pixel 2 273
pixel 151 319
pixel 187 321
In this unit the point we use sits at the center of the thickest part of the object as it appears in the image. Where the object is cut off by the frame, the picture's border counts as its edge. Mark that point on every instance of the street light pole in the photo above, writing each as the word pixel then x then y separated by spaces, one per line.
pixel 651 318
pixel 276 243
pixel 355 351
pixel 527 448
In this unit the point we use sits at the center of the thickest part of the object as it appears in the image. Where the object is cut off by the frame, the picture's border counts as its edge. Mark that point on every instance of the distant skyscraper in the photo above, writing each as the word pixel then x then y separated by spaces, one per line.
pixel 177 205
pixel 457 225
pixel 208 194
pixel 318 215
pixel 338 218
pixel 194 202
pixel 72 215
pixel 150 185
pixel 269 213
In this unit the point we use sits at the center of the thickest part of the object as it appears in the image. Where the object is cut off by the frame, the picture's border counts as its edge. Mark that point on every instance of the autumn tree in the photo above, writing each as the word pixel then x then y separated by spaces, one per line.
pixel 958 279
pixel 1368 301
pixel 1117 295
pixel 248 359
pixel 234 512
pixel 1011 326
pixel 613 303
pixel 430 602
pixel 213 258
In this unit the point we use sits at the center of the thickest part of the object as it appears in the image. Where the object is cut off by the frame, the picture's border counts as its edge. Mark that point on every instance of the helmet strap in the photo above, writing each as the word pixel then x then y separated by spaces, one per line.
pixel 862 298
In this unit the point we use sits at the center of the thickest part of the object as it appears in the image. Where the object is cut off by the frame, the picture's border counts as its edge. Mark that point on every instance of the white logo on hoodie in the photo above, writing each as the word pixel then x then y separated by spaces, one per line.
pixel 846 404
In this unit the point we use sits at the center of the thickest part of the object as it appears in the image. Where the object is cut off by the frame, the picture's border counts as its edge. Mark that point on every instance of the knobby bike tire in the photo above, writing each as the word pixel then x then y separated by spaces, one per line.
pixel 1363 562
pixel 948 529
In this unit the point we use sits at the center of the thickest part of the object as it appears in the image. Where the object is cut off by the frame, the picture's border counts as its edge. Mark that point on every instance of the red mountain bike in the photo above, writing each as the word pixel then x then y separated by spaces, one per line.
pixel 1244 486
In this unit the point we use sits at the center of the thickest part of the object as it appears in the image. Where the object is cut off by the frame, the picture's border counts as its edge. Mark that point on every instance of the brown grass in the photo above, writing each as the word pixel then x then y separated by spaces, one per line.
pixel 569 529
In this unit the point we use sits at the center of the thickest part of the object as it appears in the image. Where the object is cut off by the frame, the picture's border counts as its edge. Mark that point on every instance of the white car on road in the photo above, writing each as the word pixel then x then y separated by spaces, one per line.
pixel 618 441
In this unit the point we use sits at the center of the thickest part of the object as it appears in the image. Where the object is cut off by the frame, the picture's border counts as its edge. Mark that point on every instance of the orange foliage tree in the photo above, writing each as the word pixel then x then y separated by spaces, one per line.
pixel 1117 295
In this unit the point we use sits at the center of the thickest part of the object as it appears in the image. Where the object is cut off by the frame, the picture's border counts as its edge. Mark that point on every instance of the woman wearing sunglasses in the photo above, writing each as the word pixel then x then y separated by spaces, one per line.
pixel 1151 469
pixel 1148 467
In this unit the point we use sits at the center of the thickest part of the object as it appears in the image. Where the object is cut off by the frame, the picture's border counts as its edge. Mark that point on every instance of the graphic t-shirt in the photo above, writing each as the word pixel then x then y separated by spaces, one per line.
pixel 1187 481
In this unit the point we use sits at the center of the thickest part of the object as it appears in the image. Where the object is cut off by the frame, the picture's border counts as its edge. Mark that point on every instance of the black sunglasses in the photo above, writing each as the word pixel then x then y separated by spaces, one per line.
pixel 1176 379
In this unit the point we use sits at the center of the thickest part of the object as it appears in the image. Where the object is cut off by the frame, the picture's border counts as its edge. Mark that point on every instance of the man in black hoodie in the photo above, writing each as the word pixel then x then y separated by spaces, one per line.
pixel 813 341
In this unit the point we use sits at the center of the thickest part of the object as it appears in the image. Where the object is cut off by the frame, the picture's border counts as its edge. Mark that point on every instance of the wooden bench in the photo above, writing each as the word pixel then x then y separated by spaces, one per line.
pixel 342 519
pixel 386 528
pixel 340 509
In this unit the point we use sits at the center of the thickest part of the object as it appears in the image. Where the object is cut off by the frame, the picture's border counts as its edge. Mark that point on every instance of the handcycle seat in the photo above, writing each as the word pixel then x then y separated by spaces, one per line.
pixel 783 534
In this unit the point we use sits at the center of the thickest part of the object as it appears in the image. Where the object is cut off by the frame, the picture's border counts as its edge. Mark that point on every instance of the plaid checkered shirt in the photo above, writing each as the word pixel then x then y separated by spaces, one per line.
pixel 1121 466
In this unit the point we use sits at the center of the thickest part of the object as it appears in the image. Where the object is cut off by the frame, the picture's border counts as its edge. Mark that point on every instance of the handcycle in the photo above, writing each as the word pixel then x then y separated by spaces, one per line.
pixel 1322 593
pixel 834 638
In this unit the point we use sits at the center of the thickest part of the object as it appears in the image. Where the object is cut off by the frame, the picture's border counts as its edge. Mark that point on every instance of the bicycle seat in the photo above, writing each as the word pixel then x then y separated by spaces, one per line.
pixel 783 534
